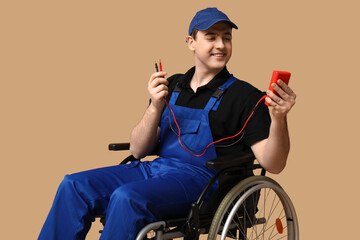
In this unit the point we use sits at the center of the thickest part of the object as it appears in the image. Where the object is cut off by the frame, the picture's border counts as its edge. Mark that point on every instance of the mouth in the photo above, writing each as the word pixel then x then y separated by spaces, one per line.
pixel 218 55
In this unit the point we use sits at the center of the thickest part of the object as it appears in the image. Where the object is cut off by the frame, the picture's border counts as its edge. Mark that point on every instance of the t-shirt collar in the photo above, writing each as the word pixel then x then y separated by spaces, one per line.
pixel 216 82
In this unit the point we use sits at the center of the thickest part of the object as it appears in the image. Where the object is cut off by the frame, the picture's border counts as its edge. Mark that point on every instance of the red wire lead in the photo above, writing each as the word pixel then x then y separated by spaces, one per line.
pixel 177 125
pixel 199 155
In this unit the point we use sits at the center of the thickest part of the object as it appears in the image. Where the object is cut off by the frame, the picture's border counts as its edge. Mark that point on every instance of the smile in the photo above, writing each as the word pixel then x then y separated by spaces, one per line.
pixel 218 54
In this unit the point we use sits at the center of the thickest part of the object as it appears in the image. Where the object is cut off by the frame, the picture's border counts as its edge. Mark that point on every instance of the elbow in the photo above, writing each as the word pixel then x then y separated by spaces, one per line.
pixel 276 169
pixel 135 149
pixel 273 165
pixel 136 154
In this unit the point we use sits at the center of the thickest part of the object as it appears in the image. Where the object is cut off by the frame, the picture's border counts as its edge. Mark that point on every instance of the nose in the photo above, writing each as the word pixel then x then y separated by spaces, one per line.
pixel 219 43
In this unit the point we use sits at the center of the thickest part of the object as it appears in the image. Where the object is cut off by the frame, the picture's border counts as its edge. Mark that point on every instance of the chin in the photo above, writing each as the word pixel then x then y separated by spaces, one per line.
pixel 218 66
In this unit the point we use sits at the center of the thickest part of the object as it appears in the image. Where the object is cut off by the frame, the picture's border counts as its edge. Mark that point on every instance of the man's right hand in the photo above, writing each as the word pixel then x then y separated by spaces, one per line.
pixel 158 90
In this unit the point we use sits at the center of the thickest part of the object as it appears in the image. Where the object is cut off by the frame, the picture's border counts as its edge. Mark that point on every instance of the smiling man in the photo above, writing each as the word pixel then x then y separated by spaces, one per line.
pixel 209 104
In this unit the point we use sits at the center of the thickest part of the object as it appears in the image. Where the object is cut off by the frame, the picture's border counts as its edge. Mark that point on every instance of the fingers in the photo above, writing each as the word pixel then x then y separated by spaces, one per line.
pixel 283 100
pixel 273 99
pixel 156 79
pixel 159 92
pixel 158 88
pixel 283 92
pixel 157 75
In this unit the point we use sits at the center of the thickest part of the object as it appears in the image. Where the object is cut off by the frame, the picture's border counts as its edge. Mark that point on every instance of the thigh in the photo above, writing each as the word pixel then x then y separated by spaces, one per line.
pixel 97 185
pixel 164 197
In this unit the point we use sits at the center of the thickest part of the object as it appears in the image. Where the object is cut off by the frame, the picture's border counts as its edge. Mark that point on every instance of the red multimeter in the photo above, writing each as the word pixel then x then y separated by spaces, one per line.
pixel 284 76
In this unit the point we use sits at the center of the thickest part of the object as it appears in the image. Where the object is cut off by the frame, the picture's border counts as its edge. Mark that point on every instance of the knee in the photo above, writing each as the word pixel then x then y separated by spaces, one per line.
pixel 125 194
pixel 68 180
pixel 74 189
pixel 66 185
pixel 71 183
pixel 127 199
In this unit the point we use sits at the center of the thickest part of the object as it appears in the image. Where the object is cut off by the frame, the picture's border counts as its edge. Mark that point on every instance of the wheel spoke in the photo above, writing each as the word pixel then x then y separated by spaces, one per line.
pixel 274 226
pixel 270 214
pixel 256 208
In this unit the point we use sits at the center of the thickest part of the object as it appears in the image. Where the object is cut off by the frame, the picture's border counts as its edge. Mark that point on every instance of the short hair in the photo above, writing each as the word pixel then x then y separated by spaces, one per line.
pixel 194 33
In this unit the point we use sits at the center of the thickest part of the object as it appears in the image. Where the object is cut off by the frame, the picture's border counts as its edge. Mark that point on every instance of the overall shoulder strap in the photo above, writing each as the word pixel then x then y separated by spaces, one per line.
pixel 214 101
pixel 220 91
pixel 175 93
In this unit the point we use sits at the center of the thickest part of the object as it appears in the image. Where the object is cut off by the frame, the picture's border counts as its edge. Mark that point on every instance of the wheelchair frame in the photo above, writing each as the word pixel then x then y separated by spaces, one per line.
pixel 220 215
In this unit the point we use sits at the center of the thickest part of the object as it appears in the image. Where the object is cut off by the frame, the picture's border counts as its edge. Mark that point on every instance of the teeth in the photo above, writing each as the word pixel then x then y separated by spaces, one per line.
pixel 219 55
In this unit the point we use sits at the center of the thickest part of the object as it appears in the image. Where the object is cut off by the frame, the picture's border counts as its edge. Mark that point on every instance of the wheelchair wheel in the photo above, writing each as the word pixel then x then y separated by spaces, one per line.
pixel 256 208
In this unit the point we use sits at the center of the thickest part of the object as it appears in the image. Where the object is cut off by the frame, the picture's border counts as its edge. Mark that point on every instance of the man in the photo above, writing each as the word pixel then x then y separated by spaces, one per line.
pixel 142 192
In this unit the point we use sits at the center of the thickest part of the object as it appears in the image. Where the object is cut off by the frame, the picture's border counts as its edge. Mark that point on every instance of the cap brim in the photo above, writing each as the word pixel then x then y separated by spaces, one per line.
pixel 208 25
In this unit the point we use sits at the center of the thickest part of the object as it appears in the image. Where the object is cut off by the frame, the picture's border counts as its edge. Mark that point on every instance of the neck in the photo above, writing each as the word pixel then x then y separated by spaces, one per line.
pixel 202 77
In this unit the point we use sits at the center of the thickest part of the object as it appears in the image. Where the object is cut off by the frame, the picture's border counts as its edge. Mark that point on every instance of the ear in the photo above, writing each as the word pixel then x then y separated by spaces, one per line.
pixel 190 42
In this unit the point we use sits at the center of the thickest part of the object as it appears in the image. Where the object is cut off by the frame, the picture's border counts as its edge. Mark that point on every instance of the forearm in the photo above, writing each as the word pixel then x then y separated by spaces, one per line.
pixel 277 147
pixel 145 135
pixel 274 151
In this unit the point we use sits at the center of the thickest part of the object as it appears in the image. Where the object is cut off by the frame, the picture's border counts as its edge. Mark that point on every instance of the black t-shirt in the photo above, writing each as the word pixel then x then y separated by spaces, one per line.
pixel 235 107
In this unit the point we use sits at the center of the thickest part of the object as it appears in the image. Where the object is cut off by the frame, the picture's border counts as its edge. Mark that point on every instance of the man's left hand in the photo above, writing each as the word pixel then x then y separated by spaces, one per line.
pixel 283 102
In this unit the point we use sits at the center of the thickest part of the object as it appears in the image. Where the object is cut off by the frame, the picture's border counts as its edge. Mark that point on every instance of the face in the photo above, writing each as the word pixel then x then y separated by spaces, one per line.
pixel 212 47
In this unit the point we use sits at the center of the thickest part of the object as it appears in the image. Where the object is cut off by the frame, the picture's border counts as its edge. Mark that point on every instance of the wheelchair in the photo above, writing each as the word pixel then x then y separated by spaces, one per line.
pixel 255 207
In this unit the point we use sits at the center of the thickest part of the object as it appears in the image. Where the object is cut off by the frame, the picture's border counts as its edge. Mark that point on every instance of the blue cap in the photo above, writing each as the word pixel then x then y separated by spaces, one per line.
pixel 205 18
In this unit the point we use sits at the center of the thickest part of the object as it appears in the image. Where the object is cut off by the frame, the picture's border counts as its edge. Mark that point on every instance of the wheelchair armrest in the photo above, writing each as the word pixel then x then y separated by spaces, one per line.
pixel 236 160
pixel 119 146
pixel 126 146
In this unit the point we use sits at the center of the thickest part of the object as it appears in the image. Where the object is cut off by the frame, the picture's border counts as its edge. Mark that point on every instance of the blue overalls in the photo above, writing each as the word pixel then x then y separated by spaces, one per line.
pixel 139 193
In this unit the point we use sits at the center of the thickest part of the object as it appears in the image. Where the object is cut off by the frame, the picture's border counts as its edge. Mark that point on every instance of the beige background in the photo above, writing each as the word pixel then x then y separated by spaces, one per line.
pixel 74 75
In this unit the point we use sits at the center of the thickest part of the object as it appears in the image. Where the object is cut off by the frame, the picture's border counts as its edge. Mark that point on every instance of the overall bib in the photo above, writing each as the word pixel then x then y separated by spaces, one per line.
pixel 139 193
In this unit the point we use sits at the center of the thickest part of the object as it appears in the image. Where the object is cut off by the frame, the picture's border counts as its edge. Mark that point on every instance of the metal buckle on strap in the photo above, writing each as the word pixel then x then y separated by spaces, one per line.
pixel 219 92
pixel 178 87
